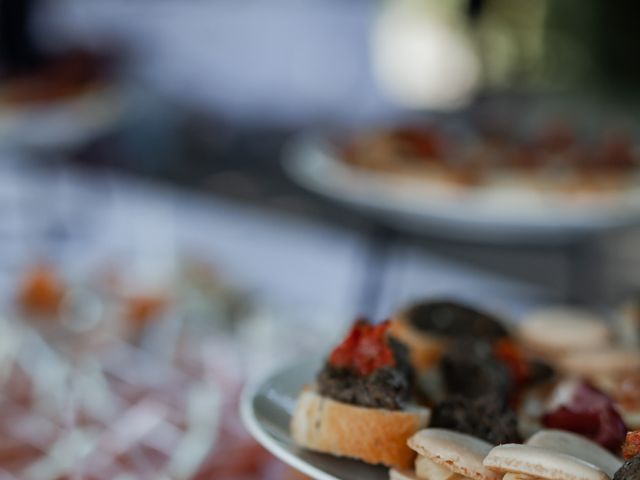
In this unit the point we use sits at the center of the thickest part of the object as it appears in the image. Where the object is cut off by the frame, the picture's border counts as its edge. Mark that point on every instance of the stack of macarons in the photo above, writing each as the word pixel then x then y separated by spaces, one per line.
pixel 549 455
pixel 581 344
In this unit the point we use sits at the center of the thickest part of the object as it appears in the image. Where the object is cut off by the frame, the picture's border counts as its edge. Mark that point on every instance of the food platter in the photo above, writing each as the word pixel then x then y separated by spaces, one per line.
pixel 471 399
pixel 266 410
pixel 507 214
pixel 63 124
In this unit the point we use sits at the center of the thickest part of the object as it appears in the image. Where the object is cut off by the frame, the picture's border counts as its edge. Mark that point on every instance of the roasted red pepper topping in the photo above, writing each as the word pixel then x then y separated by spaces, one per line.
pixel 627 392
pixel 365 349
pixel 589 412
pixel 425 143
pixel 631 446
pixel 519 367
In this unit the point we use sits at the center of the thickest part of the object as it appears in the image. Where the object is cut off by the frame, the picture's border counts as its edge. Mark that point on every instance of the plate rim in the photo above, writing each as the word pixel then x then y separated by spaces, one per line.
pixel 251 423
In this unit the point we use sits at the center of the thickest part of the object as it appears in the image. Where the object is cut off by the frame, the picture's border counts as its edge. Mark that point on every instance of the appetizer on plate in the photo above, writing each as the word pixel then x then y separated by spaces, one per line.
pixel 426 326
pixel 445 391
pixel 361 405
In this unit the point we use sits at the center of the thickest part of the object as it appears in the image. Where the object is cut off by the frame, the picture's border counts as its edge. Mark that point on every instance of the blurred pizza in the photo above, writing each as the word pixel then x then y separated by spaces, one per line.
pixel 554 160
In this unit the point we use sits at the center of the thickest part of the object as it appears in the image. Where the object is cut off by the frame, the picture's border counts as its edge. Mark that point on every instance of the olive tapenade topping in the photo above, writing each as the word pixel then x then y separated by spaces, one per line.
pixel 630 470
pixel 368 369
pixel 487 417
pixel 450 319
pixel 385 388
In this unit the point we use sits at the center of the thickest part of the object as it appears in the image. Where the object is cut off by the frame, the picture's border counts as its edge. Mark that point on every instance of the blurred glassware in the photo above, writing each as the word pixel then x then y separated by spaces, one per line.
pixel 424 54
pixel 52 97
pixel 440 55
pixel 115 408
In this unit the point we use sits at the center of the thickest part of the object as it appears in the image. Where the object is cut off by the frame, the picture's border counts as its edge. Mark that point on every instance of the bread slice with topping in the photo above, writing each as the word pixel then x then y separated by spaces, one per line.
pixel 360 406
pixel 373 435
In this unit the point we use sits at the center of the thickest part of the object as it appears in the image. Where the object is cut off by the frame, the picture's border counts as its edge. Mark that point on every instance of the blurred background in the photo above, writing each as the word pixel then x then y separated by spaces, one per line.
pixel 177 214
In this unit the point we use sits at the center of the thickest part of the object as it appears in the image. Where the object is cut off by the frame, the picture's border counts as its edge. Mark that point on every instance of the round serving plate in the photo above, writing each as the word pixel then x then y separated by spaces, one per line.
pixel 494 215
pixel 266 410
pixel 63 124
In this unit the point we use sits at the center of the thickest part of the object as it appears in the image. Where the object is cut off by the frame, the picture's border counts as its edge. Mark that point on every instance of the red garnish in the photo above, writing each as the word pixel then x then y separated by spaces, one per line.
pixel 558 136
pixel 365 349
pixel 425 143
pixel 589 412
pixel 42 291
pixel 631 445
pixel 508 353
pixel 526 157
pixel 627 392
pixel 616 151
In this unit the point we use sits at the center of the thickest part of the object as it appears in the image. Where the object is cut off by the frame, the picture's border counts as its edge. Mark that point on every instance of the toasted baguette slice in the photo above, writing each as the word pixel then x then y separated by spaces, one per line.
pixel 425 349
pixel 372 435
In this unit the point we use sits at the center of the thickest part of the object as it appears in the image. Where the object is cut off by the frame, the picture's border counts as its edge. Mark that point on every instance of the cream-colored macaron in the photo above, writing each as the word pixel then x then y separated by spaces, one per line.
pixel 627 325
pixel 542 463
pixel 597 363
pixel 517 476
pixel 577 446
pixel 453 451
pixel 402 475
pixel 559 330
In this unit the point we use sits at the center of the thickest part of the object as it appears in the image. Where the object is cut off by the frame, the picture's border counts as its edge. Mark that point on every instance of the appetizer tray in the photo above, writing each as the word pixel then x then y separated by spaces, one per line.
pixel 266 410
pixel 444 391
pixel 506 214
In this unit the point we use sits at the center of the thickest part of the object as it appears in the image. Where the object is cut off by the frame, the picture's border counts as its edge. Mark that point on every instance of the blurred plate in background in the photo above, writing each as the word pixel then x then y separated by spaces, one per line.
pixel 62 124
pixel 508 214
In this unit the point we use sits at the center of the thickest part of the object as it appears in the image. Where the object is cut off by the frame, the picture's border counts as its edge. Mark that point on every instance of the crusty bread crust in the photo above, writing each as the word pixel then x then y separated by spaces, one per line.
pixel 372 435
pixel 425 349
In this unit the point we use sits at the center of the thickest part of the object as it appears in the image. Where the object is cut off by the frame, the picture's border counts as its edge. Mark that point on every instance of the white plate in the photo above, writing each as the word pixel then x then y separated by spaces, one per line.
pixel 504 214
pixel 266 410
pixel 63 124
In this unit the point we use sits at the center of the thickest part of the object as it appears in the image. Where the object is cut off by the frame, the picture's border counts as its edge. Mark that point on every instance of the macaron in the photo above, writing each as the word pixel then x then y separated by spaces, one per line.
pixel 556 331
pixel 577 446
pixel 628 323
pixel 517 476
pixel 428 469
pixel 456 453
pixel 402 475
pixel 598 363
pixel 540 462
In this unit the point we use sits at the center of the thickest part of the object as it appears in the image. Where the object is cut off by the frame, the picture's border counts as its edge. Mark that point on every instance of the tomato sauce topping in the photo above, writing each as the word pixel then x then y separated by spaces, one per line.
pixel 519 367
pixel 631 446
pixel 365 349
pixel 627 392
